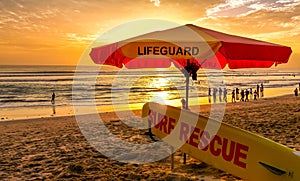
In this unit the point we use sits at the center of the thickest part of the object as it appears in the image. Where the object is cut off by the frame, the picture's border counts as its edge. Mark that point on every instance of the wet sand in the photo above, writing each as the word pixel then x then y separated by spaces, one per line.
pixel 55 149
pixel 61 109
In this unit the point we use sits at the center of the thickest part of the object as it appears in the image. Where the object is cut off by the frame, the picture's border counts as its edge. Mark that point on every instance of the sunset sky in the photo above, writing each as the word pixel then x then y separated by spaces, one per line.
pixel 58 31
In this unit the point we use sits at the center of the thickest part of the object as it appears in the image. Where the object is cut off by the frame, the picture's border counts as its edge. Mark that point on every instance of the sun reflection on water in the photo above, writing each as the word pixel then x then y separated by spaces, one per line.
pixel 154 89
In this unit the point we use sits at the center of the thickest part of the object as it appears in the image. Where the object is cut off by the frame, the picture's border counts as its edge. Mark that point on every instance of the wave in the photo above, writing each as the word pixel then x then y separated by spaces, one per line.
pixel 31 86
pixel 23 100
pixel 35 80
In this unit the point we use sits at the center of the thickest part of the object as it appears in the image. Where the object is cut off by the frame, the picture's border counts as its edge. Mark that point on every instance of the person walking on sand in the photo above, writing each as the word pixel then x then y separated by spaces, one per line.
pixel 251 93
pixel 209 95
pixel 247 95
pixel 220 94
pixel 225 94
pixel 215 95
pixel 296 92
pixel 53 98
pixel 242 95
pixel 233 96
pixel 237 93
pixel 257 91
pixel 261 90
pixel 255 95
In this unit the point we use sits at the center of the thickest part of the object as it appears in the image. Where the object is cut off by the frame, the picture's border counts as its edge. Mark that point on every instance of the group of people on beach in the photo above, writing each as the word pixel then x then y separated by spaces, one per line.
pixel 244 95
pixel 258 92
pixel 213 93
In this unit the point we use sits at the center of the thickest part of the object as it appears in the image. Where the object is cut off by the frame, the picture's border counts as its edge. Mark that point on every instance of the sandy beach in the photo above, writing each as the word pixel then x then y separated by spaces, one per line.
pixel 76 79
pixel 54 148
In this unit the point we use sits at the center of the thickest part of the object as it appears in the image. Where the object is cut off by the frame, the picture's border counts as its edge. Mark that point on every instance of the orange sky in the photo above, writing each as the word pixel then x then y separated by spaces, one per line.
pixel 57 32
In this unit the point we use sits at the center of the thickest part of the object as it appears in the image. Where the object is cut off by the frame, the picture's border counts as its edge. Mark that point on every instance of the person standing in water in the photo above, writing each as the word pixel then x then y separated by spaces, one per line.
pixel 242 95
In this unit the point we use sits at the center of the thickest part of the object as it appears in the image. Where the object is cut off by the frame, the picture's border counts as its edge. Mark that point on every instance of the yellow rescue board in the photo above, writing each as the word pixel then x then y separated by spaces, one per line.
pixel 236 151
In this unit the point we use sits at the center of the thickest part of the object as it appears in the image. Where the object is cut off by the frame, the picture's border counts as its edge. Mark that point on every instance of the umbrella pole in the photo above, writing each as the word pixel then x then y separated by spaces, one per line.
pixel 186 107
pixel 187 82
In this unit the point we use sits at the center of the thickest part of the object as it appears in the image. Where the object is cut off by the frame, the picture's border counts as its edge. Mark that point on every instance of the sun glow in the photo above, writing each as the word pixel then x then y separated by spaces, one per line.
pixel 156 88
pixel 165 90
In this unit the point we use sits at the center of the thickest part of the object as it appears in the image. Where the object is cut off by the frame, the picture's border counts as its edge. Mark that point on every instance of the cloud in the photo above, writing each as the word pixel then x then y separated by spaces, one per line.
pixel 280 27
pixel 287 34
pixel 82 39
pixel 17 18
pixel 156 2
pixel 296 18
pixel 20 5
pixel 239 8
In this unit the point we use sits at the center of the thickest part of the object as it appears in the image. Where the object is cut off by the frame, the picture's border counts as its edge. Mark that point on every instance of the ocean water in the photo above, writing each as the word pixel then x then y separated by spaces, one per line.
pixel 30 86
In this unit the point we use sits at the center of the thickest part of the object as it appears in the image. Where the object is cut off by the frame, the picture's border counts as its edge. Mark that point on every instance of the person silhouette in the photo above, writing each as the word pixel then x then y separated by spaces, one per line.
pixel 215 94
pixel 53 98
pixel 296 92
pixel 247 95
pixel 220 94
pixel 257 91
pixel 242 95
pixel 209 95
pixel 255 95
pixel 237 92
pixel 225 95
pixel 261 90
pixel 233 96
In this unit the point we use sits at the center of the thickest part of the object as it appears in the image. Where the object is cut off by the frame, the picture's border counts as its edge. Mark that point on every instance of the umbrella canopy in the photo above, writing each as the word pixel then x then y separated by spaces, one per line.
pixel 212 49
